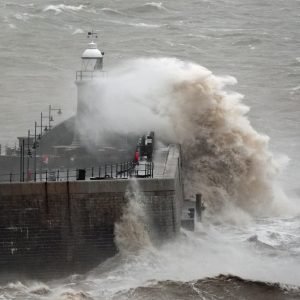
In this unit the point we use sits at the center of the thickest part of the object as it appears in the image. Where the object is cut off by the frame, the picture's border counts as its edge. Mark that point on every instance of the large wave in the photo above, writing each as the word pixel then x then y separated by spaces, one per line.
pixel 215 288
pixel 225 158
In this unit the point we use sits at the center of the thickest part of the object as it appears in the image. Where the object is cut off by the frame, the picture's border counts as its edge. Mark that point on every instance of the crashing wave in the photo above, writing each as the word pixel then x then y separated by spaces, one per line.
pixel 224 157
pixel 214 288
pixel 111 11
pixel 150 7
pixel 145 25
pixel 62 7
pixel 78 31
pixel 157 5
pixel 22 17
pixel 131 234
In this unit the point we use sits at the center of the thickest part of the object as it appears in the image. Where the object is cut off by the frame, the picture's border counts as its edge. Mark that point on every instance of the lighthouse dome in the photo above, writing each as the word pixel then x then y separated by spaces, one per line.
pixel 92 52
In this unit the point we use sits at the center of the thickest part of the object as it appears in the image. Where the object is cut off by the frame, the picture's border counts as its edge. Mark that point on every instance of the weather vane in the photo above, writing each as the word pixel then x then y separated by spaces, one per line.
pixel 92 34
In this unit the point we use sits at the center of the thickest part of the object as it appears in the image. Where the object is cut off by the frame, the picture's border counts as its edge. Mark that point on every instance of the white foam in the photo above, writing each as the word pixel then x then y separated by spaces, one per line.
pixel 208 252
pixel 158 5
pixel 131 235
pixel 78 31
pixel 62 7
pixel 145 25
pixel 111 10
pixel 226 158
pixel 22 17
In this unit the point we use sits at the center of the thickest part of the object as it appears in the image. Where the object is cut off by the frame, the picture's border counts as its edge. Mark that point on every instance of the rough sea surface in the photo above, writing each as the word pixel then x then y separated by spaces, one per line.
pixel 256 256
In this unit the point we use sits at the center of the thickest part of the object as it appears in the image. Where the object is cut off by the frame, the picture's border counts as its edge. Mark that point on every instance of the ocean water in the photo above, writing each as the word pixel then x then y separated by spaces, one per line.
pixel 248 247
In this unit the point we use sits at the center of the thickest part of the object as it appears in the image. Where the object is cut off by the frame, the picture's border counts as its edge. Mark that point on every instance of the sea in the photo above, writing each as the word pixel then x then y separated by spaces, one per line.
pixel 221 77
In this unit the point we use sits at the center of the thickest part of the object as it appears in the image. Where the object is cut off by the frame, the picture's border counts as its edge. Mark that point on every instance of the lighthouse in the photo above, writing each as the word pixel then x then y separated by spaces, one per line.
pixel 91 61
pixel 91 68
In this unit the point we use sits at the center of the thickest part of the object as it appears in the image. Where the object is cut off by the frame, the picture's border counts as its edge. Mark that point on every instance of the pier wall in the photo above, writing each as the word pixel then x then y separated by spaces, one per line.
pixel 57 228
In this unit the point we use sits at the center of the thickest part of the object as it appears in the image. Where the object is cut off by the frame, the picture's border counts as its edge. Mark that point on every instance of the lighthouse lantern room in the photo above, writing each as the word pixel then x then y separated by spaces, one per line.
pixel 92 60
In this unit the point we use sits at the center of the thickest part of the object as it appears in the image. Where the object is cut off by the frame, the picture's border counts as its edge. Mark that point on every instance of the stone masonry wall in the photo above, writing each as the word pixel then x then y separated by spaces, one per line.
pixel 61 227
pixel 57 228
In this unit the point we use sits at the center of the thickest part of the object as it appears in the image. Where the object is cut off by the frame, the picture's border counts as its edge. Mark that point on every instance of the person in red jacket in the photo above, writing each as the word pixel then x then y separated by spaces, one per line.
pixel 136 156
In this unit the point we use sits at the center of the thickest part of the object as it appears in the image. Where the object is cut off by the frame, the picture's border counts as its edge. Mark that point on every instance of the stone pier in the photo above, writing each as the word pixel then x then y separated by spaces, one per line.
pixel 52 229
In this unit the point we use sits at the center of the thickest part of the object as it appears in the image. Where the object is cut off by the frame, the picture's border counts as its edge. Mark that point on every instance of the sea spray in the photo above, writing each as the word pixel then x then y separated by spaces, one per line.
pixel 225 158
pixel 131 233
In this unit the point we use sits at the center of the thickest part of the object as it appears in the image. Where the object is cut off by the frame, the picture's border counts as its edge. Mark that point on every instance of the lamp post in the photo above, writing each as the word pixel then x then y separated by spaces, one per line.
pixel 22 146
pixel 45 127
pixel 28 155
pixel 35 145
pixel 50 117
pixel 37 138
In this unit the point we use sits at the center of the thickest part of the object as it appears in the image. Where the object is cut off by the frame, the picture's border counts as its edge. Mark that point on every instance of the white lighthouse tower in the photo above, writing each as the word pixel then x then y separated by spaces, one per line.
pixel 92 60
pixel 91 68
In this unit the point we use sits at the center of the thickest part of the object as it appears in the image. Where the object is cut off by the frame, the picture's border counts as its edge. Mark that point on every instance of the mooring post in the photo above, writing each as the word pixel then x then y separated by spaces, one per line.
pixel 23 160
pixel 21 163
pixel 198 207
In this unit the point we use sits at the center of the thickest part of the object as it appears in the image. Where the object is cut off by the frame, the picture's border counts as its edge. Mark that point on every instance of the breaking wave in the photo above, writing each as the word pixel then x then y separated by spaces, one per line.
pixel 225 158
pixel 78 31
pixel 111 11
pixel 150 7
pixel 18 4
pixel 157 5
pixel 220 287
pixel 22 17
pixel 131 234
pixel 186 268
pixel 211 288
pixel 62 7
pixel 146 25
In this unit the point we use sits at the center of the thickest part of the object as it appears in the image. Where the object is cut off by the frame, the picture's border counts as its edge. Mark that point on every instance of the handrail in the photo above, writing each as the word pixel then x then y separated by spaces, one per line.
pixel 81 75
pixel 123 170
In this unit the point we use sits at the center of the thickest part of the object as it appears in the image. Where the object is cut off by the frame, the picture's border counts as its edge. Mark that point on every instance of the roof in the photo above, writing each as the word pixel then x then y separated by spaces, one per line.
pixel 92 52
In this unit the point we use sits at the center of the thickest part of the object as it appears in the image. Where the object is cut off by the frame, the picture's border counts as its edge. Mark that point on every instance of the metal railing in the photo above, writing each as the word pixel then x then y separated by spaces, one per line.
pixel 81 75
pixel 108 171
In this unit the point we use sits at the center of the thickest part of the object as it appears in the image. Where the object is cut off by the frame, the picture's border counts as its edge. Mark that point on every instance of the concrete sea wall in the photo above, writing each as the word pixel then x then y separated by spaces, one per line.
pixel 57 228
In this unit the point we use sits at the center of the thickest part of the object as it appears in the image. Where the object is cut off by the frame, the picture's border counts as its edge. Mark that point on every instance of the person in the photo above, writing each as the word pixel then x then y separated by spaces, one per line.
pixel 136 156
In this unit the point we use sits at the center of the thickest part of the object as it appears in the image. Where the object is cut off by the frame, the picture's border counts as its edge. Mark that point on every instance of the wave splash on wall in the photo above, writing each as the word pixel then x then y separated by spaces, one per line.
pixel 131 234
pixel 225 158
